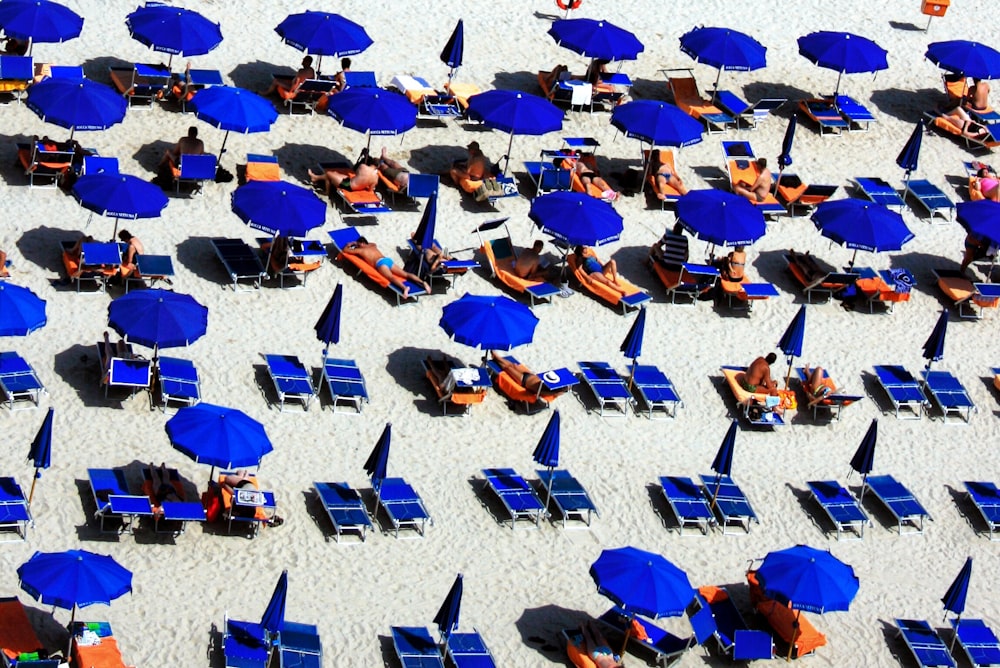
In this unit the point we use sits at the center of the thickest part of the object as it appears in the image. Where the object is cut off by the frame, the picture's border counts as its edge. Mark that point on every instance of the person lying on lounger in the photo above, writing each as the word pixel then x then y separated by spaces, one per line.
pixel 606 274
pixel 370 253
pixel 234 481
pixel 596 646
pixel 520 374
pixel 987 184
pixel 816 389
pixel 365 177
pixel 393 170
pixel 433 256
pixel 961 120
pixel 664 176
pixel 475 168
pixel 758 376
pixel 163 489
pixel 759 189
pixel 588 175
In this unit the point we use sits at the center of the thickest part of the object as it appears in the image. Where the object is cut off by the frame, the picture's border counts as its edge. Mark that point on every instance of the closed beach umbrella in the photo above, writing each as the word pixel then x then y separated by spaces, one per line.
pixel 219 436
pixel 515 113
pixel 173 30
pixel 596 39
pixel 273 619
pixel 724 49
pixel 447 615
pixel 576 218
pixel 378 460
pixel 909 157
pixel 158 318
pixel 791 341
pixel 843 52
pixel 119 196
pixel 632 345
pixel 721 218
pixel 328 326
pixel 39 21
pixel 323 33
pixel 642 583
pixel 233 110
pixel 954 598
pixel 454 50
pixel 40 452
pixel 373 111
pixel 967 57
pixel 279 207
pixel 934 345
pixel 980 218
pixel 425 232
pixel 723 462
pixel 547 451
pixel 77 104
pixel 861 225
pixel 21 310
pixel 488 322
pixel 864 457
pixel 785 158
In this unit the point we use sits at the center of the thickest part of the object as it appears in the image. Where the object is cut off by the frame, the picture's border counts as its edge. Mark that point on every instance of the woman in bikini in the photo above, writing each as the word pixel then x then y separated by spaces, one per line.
pixel 596 646
pixel 988 184
pixel 663 176
pixel 519 373
pixel 734 266
pixel 605 274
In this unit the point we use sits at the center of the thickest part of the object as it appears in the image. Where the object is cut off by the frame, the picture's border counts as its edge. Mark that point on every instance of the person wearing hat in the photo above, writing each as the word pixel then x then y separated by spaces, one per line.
pixel 469 174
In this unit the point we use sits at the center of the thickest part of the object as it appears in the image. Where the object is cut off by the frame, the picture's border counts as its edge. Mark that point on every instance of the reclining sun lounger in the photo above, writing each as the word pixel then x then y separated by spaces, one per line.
pixel 571 498
pixel 832 400
pixel 179 382
pixel 687 503
pixel 244 644
pixel 501 258
pixel 291 380
pixel 746 293
pixel 415 648
pixel 45 163
pixel 468 650
pixel 747 115
pixel 15 515
pixel 240 262
pixel 304 256
pixel 670 194
pixel 899 501
pixel 546 175
pixel 741 166
pixel 924 643
pixel 193 170
pixel 978 641
pixel 344 381
pixel 931 198
pixel 659 647
pixel 113 500
pixel 937 120
pixel 985 496
pixel 688 284
pixel 431 104
pixel 757 408
pixel 880 191
pixel 816 279
pixel 300 646
pixel 456 384
pixel 886 286
pixel 633 299
pixel 516 495
pixel 824 113
pixel 175 514
pixel 971 299
pixel 402 505
pixel 786 623
pixel 857 115
pixel 686 96
pixel 951 397
pixel 104 653
pixel 97 262
pixel 715 616
pixel 251 507
pixel 364 203
pixel 608 387
pixel 839 506
pixel 729 502
pixel 798 196
pixel 902 389
pixel 17 635
pixel 344 507
pixel 19 382
pixel 342 237
pixel 555 383
pixel 656 392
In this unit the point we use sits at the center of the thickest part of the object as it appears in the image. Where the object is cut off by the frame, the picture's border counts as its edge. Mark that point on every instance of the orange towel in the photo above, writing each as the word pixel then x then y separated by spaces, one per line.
pixel 105 655
pixel 16 633
pixel 783 618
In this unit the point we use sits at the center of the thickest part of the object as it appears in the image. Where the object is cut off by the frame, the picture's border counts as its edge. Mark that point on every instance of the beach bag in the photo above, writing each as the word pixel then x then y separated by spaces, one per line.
pixel 213 506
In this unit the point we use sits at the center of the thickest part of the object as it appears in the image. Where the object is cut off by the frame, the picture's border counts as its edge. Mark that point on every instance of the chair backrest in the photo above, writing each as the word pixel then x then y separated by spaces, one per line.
pixel 197 166
pixel 262 168
pixel 16 68
pixel 685 88
pixel 360 79
pixel 66 72
pixel 703 623
pixel 501 248
pixel 97 164
pixel 422 185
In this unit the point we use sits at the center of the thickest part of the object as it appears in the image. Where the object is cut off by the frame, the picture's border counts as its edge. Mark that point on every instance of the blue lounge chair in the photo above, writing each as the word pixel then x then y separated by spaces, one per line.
pixel 985 496
pixel 747 115
pixel 415 648
pixel 299 646
pixel 15 515
pixel 19 382
pixel 857 115
pixel 570 497
pixel 516 495
pixel 661 647
pixel 608 387
pixel 402 505
pixel 344 507
pixel 468 650
pixel 931 198
pixel 721 620
pixel 130 373
pixel 291 380
pixel 978 641
pixel 730 503
pixel 949 394
pixel 179 382
pixel 880 191
pixel 240 262
pixel 825 114
pixel 839 506
pixel 346 384
pixel 687 503
pixel 656 392
pixel 924 643
pixel 113 500
pixel 902 389
pixel 547 175
pixel 193 170
pixel 899 501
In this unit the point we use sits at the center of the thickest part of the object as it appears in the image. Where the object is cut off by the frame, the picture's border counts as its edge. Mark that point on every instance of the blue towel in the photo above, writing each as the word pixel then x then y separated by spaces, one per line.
pixel 903 280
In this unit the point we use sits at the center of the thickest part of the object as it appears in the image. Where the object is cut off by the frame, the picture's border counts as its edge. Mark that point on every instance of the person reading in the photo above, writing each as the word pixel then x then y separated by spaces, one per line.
pixel 760 188
pixel 370 253
pixel 758 376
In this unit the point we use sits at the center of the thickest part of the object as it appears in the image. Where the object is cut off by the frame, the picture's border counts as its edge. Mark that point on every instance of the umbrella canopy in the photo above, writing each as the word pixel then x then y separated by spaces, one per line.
pixel 723 462
pixel 273 619
pixel 279 207
pixel 656 123
pixel 642 583
pixel 328 326
pixel 224 437
pixel 323 33
pixel 39 21
pixel 632 345
pixel 547 451
pixel 447 615
pixel 934 345
pixel 861 225
pixel 843 52
pixel 454 49
pixel 980 218
pixel 576 219
pixel 808 579
pixel 596 39
pixel 909 157
pixel 120 196
pixel 965 57
pixel 721 218
pixel 724 49
pixel 21 310
pixel 954 598
pixel 425 232
pixel 378 460
pixel 173 30
pixel 864 457
pixel 77 104
pixel 516 113
pixel 490 323
pixel 233 110
pixel 158 318
pixel 374 111
pixel 40 452
pixel 791 341
pixel 74 578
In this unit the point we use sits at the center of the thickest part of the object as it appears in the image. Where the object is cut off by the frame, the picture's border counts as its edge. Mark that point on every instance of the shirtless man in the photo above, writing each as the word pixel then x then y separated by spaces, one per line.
pixel 303 74
pixel 365 178
pixel 979 96
pixel 370 253
pixel 188 145
pixel 819 389
pixel 393 170
pixel 758 376
pixel 759 190
pixel 526 265
pixel 476 167
pixel 133 247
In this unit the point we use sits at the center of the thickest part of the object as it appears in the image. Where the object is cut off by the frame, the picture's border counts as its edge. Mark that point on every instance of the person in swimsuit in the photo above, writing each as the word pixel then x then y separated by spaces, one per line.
pixel 393 170
pixel 663 176
pixel 528 262
pixel 288 87
pixel 960 118
pixel 975 248
pixel 520 374
pixel 817 389
pixel 133 249
pixel 365 177
pixel 734 266
pixel 988 184
pixel 163 489
pixel 596 646
pixel 758 190
pixel 370 253
pixel 187 145
pixel 758 376
pixel 978 98
pixel 605 274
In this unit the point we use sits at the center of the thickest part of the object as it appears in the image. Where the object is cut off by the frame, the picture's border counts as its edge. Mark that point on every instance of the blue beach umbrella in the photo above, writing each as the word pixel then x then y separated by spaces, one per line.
pixel 373 111
pixel 632 345
pixel 158 318
pixel 864 457
pixel 40 452
pixel 323 33
pixel 934 345
pixel 723 462
pixel 724 49
pixel 844 52
pixel 516 113
pixel 547 451
pixel 909 157
pixel 454 49
pixel 278 207
pixel 808 579
pixel 219 436
pixel 378 460
pixel 328 326
pixel 596 39
pixel 77 104
pixel 785 157
pixel 642 583
pixel 21 310
pixel 791 341
pixel 273 619
pixel 39 21
pixel 980 218
pixel 861 225
pixel 488 322
pixel 656 123
pixel 576 219
pixel 233 110
pixel 954 598
pixel 119 196
pixel 721 218
pixel 966 57
pixel 173 30
pixel 447 615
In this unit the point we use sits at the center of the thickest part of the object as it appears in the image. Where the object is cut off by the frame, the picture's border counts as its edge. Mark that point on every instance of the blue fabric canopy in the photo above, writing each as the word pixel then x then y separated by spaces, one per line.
pixel 577 219
pixel 934 345
pixel 656 123
pixel 861 225
pixel 323 33
pixel 378 460
pixel 120 196
pixel 632 345
pixel 785 158
pixel 791 341
pixel 273 619
pixel 173 30
pixel 515 112
pixel 843 52
pixel 425 232
pixel 454 48
pixel 373 110
pixel 233 109
pixel 721 218
pixel 966 57
pixel 40 452
pixel 279 207
pixel 954 598
pixel 74 578
pixel 980 218
pixel 864 457
pixel 490 323
pixel 596 39
pixel 723 462
pixel 724 49
pixel 809 579
pixel 219 436
pixel 909 157
pixel 77 104
pixel 158 318
pixel 642 582
pixel 328 326
pixel 547 451
pixel 39 21
pixel 447 615
pixel 21 310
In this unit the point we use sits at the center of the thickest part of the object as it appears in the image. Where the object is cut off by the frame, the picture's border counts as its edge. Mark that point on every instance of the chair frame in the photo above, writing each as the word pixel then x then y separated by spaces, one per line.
pixel 840 507
pixel 19 382
pixel 506 484
pixel 920 639
pixel 348 501
pixel 569 496
pixel 344 384
pixel 15 513
pixel 912 514
pixel 688 504
pixel 951 397
pixel 291 380
pixel 985 496
pixel 402 505
pixel 979 644
pixel 656 391
pixel 893 377
pixel 607 386
pixel 730 503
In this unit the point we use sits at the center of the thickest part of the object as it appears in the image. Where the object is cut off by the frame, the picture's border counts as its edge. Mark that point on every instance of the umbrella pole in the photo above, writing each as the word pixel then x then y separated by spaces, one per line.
pixel 69 644
pixel 548 490
pixel 628 631
pixel 31 494
pixel 715 494
pixel 836 90
pixel 788 376
pixel 223 149
pixel 716 88
pixel 795 634
pixel 319 64
pixel 853 258
pixel 506 158
pixel 777 181
pixel 864 483
pixel 954 636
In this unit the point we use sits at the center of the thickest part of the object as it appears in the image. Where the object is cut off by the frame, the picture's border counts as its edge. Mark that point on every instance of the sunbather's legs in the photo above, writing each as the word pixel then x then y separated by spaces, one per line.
pixel 663 179
pixel 519 373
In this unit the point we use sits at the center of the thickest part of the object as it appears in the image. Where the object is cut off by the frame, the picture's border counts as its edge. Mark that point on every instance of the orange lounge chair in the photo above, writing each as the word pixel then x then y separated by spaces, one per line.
pixel 971 299
pixel 956 87
pixel 671 193
pixel 833 399
pixel 634 297
pixel 500 255
pixel 797 195
pixel 17 635
pixel 824 113
pixel 783 619
pixel 560 379
pixel 746 293
pixel 689 283
pixel 741 165
pixel 883 287
pixel 262 168
pixel 462 92
pixel 814 278
pixel 936 119
pixel 95 645
pixel 687 97
pixel 456 384
pixel 46 161
pixel 342 237
pixel 364 202
pixel 771 415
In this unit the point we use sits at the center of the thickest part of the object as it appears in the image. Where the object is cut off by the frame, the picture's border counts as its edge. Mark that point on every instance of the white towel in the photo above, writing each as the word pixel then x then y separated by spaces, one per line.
pixel 464 375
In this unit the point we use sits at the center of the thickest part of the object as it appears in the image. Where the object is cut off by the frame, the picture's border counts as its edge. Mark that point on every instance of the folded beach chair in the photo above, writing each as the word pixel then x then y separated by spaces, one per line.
pixel 658 647
pixel 687 96
pixel 193 170
pixel 415 648
pixel 607 386
pixel 341 238
pixel 455 384
pixel 985 496
pixel 886 286
pixel 501 257
pixel 970 299
pixel 344 507
pixel 816 279
pixel 856 114
pixel 343 379
pixel 799 196
pixel 16 74
pixel 757 408
pixel 656 392
pixel 931 198
pixel 364 203
pixel 833 400
pixel 402 505
pixel 86 652
pixel 715 616
pixel 468 650
pixel 824 113
pixel 20 384
pixel 250 507
pixel 935 119
pixel 880 191
pixel 141 84
pixel 244 644
pixel 731 505
pixel 15 515
pixel 687 503
pixel 179 382
pixel 684 287
pixel 17 635
pixel 747 115
pixel 555 382
pixel 899 501
pixel 291 380
pixel 174 514
pixel 45 162
pixel 742 168
pixel 786 623
pixel 902 389
pixel 839 506
pixel 569 495
pixel 635 298
pixel 977 640
pixel 114 501
pixel 516 495
pixel 951 397
pixel 924 643
pixel 241 263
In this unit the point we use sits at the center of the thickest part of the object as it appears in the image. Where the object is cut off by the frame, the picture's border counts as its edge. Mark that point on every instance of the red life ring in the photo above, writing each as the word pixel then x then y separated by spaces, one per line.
pixel 569 4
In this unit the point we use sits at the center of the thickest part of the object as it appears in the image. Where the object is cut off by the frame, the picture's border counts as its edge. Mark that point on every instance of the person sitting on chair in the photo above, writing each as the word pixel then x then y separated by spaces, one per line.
pixel 370 253
pixel 815 388
pixel 733 267
pixel 528 262
pixel 759 189
pixel 758 376
pixel 133 248
pixel 15 47
pixel 663 176
pixel 978 98
pixel 432 257
pixel 339 79
pixel 303 74
pixel 671 250
pixel 520 374
pixel 186 145
pixel 605 274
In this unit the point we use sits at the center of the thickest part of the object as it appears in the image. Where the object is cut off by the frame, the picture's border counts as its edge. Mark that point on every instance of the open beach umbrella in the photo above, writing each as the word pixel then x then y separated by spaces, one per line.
pixel 861 225
pixel 967 57
pixel 596 39
pixel 785 157
pixel 373 111
pixel 273 619
pixel 657 124
pixel 40 452
pixel 447 615
pixel 77 104
pixel 791 341
pixel 954 598
pixel 21 310
pixel 378 460
pixel 454 50
pixel 934 345
pixel 173 30
pixel 632 345
pixel 980 218
pixel 328 326
pixel 158 318
pixel 641 582
pixel 39 21
pixel 119 196
pixel 576 218
pixel 491 322
pixel 323 33
pixel 724 49
pixel 844 52
pixel 547 451
pixel 516 113
pixel 219 436
pixel 864 457
pixel 233 110
pixel 279 207
pixel 720 218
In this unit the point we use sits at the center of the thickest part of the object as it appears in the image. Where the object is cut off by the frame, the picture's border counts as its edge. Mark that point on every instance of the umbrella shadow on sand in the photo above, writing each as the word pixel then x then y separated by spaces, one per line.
pixel 149 155
pixel 906 105
pixel 521 80
pixel 99 68
pixel 198 257
pixel 40 245
pixel 403 365
pixel 539 628
pixel 79 367
pixel 296 159
pixel 759 90
pixel 49 631
pixel 257 75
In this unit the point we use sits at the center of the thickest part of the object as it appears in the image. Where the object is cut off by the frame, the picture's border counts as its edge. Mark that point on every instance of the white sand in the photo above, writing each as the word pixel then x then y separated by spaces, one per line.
pixel 521 587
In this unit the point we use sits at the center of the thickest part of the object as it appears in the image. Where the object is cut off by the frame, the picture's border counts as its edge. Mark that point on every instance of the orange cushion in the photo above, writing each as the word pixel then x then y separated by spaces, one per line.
pixel 263 171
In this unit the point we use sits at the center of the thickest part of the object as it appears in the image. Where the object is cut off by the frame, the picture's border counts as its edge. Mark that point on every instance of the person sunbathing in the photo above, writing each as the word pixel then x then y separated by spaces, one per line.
pixel 234 481
pixel 733 267
pixel 475 168
pixel 987 184
pixel 596 646
pixel 393 170
pixel 589 175
pixel 663 176
pixel 365 178
pixel 520 374
pixel 286 87
pixel 605 274
pixel 370 253
pixel 759 189
pixel 816 389
pixel 758 376
pixel 960 119
pixel 163 488
pixel 433 256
